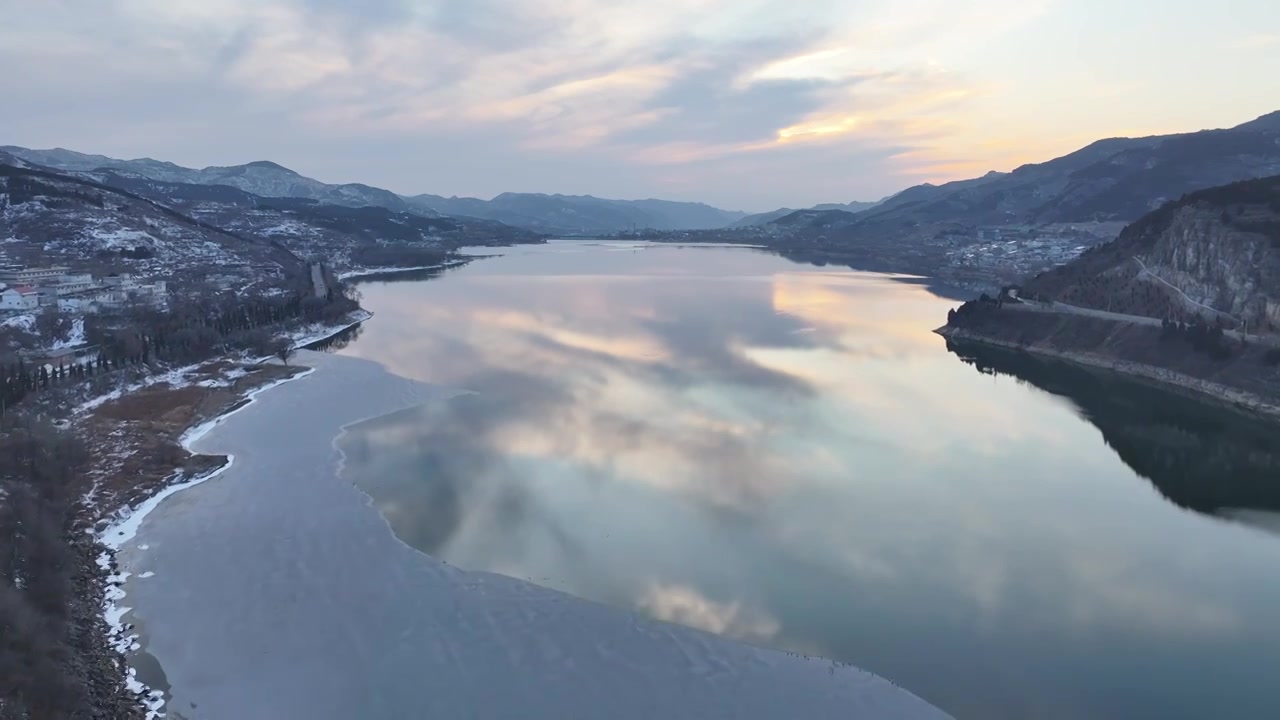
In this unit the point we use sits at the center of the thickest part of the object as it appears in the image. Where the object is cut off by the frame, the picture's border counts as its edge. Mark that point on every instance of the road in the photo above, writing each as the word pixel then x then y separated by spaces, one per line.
pixel 317 280
pixel 1061 307
pixel 1064 308
pixel 1216 312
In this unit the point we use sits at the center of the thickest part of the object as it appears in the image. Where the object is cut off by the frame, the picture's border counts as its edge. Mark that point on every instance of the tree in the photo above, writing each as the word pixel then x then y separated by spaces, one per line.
pixel 284 350
pixel 41 479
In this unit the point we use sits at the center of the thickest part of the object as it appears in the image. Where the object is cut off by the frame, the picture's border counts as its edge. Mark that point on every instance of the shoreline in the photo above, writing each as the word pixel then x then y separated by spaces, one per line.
pixel 125 528
pixel 369 272
pixel 331 331
pixel 125 519
pixel 1205 391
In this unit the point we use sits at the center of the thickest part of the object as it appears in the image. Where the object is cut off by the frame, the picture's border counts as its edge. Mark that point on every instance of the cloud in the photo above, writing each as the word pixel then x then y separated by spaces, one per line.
pixel 695 99
pixel 1257 41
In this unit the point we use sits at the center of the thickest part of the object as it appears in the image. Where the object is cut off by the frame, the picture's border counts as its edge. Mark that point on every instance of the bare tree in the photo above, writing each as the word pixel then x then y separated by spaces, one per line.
pixel 284 350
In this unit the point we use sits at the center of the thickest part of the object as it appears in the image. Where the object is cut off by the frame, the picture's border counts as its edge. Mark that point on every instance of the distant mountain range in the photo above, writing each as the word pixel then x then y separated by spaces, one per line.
pixel 551 214
pixel 581 214
pixel 263 178
pixel 1112 180
pixel 1117 179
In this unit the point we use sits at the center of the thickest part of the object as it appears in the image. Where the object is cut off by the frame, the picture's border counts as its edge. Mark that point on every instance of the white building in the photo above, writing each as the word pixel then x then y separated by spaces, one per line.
pixel 65 285
pixel 30 276
pixel 76 292
pixel 76 305
pixel 19 298
pixel 121 281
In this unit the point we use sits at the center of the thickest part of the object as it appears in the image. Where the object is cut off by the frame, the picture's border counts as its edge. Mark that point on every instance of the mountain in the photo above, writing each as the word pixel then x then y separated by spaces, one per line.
pixel 581 214
pixel 49 218
pixel 12 160
pixel 765 218
pixel 1213 256
pixel 816 219
pixel 347 237
pixel 262 177
pixel 852 207
pixel 1112 180
pixel 553 214
pixel 1268 122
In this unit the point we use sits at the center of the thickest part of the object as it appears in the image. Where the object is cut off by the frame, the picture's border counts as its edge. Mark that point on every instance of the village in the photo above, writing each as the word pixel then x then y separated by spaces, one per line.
pixel 26 290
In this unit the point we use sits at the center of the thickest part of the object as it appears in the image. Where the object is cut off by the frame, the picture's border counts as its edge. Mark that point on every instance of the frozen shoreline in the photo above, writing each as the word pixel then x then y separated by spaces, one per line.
pixel 307 337
pixel 366 272
pixel 125 526
pixel 126 521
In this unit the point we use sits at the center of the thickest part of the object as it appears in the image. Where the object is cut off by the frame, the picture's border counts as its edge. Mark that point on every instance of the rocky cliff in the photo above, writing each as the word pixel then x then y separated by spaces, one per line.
pixel 1213 255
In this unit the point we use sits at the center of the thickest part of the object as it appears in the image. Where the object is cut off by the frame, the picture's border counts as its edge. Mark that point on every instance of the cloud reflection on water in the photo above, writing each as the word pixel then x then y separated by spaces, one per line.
pixel 726 440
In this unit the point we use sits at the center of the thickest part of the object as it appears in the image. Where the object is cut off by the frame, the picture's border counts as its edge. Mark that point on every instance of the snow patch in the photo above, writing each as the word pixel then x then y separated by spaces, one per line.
pixel 75 338
pixel 289 227
pixel 362 272
pixel 24 322
pixel 176 377
pixel 117 238
pixel 315 333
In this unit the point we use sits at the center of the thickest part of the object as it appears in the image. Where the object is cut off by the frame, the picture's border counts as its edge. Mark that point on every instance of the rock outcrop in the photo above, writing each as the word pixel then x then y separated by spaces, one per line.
pixel 1212 256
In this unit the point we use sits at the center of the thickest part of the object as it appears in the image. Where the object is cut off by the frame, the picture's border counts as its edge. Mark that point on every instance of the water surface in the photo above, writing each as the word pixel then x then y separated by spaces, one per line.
pixel 786 455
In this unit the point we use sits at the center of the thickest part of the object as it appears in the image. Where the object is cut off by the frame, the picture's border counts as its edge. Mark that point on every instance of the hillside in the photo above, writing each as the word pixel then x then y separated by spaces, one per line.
pixel 50 218
pixel 554 214
pixel 1117 179
pixel 815 218
pixel 347 237
pixel 765 218
pixel 1214 254
pixel 263 178
pixel 1188 296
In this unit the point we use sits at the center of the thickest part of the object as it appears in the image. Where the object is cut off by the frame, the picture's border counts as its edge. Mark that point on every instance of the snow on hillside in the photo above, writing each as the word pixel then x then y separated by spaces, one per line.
pixel 107 234
pixel 75 336
pixel 63 220
pixel 25 322
pixel 287 228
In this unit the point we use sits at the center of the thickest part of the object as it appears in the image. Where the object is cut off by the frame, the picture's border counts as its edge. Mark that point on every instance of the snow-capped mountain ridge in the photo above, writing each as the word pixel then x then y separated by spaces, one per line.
pixel 553 214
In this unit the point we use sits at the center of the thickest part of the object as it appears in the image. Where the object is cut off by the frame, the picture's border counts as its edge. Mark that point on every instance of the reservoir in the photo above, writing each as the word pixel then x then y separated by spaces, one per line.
pixel 786 455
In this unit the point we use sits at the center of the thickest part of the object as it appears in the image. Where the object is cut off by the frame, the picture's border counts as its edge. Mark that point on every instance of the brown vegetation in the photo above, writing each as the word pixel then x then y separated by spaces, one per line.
pixel 137 435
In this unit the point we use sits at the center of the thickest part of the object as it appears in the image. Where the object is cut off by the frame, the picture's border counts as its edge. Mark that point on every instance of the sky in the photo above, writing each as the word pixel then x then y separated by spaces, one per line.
pixel 744 104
